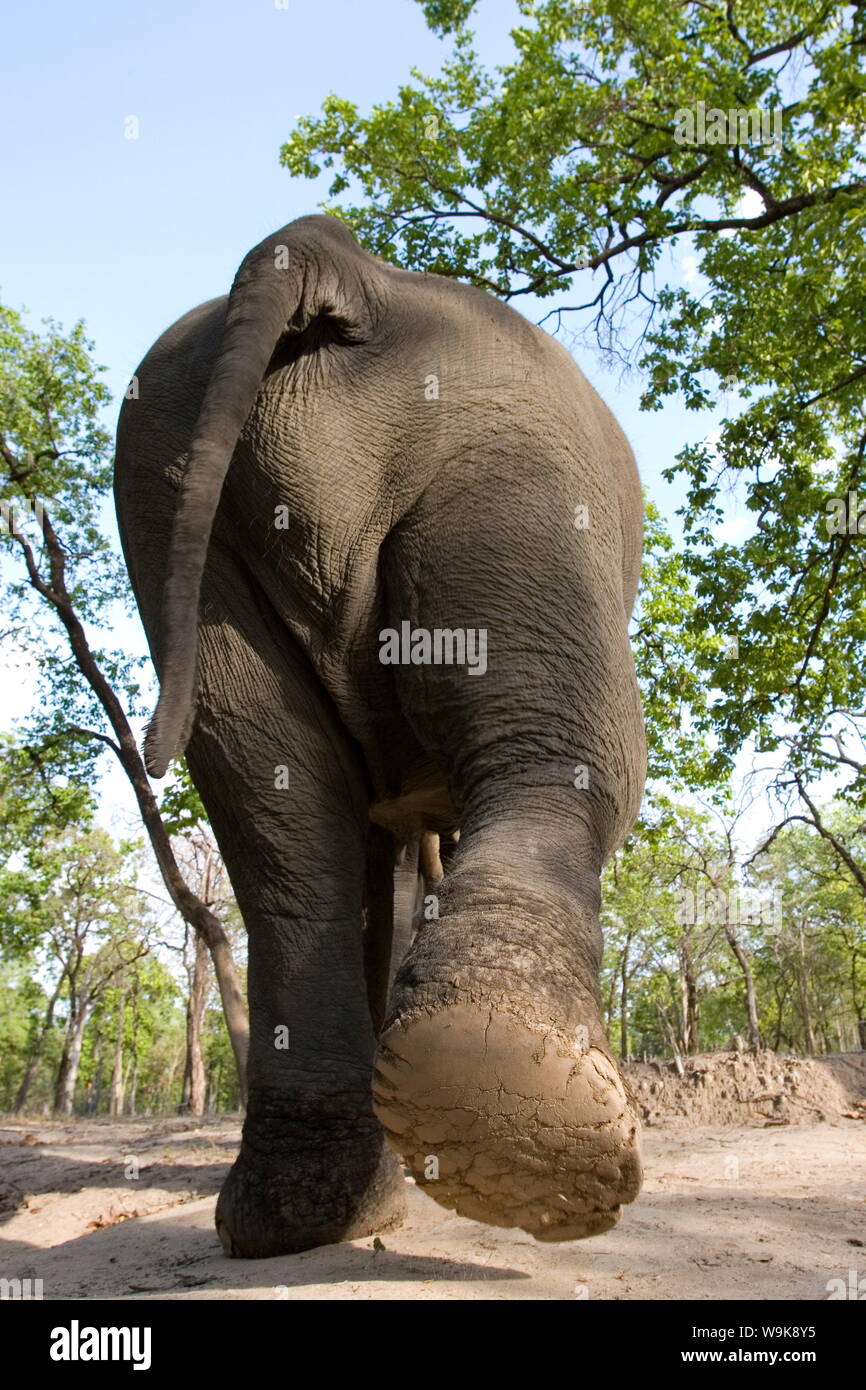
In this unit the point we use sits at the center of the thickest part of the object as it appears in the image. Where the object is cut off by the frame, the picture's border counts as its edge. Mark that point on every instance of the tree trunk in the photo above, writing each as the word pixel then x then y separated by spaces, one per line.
pixel 131 1095
pixel 94 1088
pixel 749 982
pixel 115 1104
pixel 36 1055
pixel 610 1002
pixel 213 1088
pixel 234 1006
pixel 689 1004
pixel 164 1093
pixel 803 989
pixel 67 1074
pixel 694 1013
pixel 623 1001
pixel 856 996
pixel 193 1098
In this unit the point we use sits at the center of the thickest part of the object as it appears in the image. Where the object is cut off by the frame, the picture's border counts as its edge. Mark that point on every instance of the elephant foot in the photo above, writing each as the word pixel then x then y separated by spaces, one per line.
pixel 281 1197
pixel 507 1119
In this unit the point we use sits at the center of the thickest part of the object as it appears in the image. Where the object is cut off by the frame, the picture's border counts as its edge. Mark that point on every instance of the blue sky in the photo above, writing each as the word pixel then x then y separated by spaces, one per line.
pixel 131 233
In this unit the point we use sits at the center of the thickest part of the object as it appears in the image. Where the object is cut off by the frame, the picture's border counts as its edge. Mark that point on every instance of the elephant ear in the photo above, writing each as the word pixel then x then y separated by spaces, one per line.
pixel 311 273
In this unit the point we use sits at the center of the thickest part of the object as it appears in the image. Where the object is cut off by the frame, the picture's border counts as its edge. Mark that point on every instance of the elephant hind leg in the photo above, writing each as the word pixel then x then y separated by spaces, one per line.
pixel 285 789
pixel 494 1077
pixel 285 792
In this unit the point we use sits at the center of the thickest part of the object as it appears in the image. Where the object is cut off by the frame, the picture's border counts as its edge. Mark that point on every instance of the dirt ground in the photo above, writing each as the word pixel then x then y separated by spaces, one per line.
pixel 768 1208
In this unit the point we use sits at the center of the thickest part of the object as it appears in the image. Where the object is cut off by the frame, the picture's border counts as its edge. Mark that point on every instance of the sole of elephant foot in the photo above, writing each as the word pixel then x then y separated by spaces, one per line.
pixel 319 1199
pixel 509 1122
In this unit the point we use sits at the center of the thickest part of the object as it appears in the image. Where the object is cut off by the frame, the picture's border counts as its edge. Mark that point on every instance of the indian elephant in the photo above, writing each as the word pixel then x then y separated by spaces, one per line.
pixel 335 460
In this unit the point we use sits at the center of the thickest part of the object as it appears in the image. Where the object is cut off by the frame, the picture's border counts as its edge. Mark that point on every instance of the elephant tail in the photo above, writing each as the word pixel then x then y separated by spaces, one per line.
pixel 312 269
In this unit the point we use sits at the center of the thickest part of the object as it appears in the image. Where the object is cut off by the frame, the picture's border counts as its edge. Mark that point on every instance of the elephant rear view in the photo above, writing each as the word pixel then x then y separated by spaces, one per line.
pixel 385 540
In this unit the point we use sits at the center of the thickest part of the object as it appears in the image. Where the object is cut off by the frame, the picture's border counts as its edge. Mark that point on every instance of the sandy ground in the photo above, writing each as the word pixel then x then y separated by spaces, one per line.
pixel 743 1212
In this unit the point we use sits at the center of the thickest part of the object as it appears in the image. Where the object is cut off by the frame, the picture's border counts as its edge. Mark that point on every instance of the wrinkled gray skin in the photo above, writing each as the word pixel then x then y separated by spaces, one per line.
pixel 311 387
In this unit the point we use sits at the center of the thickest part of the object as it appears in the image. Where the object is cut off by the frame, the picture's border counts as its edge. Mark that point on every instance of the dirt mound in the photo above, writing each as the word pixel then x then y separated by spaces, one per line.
pixel 742 1088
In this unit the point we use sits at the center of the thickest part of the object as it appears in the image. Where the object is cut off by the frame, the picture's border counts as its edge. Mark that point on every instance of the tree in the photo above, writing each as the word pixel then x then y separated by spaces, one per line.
pixel 77 893
pixel 37 1046
pixel 53 447
pixel 23 1035
pixel 197 851
pixel 672 649
pixel 134 1019
pixel 715 861
pixel 636 907
pixel 677 907
pixel 820 949
pixel 204 869
pixel 154 1038
pixel 36 804
pixel 683 901
pixel 650 939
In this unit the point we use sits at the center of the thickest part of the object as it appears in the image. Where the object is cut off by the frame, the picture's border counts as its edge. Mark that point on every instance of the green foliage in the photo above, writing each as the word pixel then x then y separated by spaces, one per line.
pixel 571 149
pixel 803 930
pixel 219 1062
pixel 67 883
pixel 51 398
pixel 149 1003
pixel 40 792
pixel 820 948
pixel 181 806
pixel 664 952
pixel 63 586
pixel 672 646
pixel 55 454
pixel 22 1007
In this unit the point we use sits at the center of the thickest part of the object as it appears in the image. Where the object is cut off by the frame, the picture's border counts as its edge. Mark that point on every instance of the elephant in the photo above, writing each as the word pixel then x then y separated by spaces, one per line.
pixel 385 541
